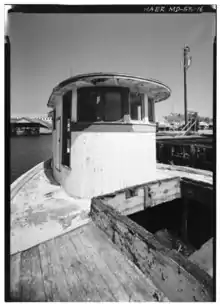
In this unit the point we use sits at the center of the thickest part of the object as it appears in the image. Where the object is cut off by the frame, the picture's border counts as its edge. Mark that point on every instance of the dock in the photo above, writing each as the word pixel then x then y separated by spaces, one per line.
pixel 193 151
pixel 66 249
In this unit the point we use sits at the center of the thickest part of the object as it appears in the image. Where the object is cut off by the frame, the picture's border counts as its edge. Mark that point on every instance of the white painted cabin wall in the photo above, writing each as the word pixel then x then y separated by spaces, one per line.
pixel 106 162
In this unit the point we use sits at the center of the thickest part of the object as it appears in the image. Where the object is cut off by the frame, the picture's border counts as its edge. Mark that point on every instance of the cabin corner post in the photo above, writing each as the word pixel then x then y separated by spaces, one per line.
pixel 146 111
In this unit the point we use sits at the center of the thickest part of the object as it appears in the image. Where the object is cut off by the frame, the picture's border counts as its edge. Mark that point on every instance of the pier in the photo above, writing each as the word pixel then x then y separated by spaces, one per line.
pixel 29 127
pixel 191 151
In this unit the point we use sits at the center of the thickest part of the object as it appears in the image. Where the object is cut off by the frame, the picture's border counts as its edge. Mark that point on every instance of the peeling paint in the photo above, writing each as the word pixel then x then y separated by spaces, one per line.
pixel 42 210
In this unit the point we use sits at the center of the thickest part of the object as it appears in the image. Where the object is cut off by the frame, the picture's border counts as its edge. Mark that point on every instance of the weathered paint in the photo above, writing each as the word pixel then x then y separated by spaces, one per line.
pixel 122 156
pixel 164 187
pixel 80 266
pixel 155 89
pixel 41 210
pixel 105 162
pixel 178 278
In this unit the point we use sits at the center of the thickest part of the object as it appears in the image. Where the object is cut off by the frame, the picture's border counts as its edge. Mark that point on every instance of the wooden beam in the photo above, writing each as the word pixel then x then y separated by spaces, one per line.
pixel 138 198
pixel 178 278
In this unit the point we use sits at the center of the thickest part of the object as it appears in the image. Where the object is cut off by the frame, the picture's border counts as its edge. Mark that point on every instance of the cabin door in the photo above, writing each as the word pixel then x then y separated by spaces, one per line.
pixel 58 142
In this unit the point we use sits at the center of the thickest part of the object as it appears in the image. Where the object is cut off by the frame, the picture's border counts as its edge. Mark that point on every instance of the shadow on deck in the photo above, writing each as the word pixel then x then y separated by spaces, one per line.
pixel 49 172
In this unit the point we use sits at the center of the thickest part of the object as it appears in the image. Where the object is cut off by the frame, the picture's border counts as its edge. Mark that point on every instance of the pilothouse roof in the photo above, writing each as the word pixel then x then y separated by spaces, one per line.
pixel 155 89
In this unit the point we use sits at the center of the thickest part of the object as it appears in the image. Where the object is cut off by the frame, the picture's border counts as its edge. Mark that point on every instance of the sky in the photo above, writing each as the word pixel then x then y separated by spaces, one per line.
pixel 48 48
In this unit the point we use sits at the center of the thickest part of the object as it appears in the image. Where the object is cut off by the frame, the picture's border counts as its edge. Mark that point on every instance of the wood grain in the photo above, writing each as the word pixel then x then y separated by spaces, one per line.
pixel 121 267
pixel 173 274
pixel 95 275
pixel 15 277
pixel 144 196
pixel 56 286
pixel 88 290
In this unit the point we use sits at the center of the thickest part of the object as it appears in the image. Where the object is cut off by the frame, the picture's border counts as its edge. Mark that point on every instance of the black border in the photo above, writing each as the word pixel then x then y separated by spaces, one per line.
pixel 112 9
pixel 90 9
pixel 7 165
pixel 214 161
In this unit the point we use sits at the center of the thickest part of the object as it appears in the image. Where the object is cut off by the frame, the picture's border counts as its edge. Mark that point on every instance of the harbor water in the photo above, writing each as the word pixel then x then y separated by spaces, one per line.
pixel 28 151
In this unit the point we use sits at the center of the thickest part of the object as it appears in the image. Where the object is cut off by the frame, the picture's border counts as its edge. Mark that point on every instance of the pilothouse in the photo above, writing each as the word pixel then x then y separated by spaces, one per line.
pixel 104 132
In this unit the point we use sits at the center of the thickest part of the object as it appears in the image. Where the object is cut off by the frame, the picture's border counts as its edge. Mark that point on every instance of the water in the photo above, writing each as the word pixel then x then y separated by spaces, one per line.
pixel 27 151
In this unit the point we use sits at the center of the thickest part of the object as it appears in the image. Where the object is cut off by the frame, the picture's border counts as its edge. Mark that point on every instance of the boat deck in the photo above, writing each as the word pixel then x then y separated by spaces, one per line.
pixel 41 209
pixel 58 253
pixel 81 265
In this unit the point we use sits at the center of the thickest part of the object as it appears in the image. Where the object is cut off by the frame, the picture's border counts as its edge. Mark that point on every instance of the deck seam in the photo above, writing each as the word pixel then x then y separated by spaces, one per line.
pixel 65 273
pixel 104 280
pixel 128 289
pixel 70 238
pixel 42 276
pixel 112 272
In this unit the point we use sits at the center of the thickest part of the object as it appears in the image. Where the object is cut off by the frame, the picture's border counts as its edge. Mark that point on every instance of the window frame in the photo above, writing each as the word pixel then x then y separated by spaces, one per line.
pixel 103 89
pixel 125 106
pixel 143 113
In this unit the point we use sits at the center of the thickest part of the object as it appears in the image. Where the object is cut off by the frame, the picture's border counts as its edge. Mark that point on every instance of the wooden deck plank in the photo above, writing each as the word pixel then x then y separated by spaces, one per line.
pixel 15 277
pixel 142 285
pixel 72 272
pixel 25 277
pixel 37 285
pixel 118 264
pixel 95 275
pixel 45 272
pixel 109 268
pixel 55 284
pixel 89 292
pixel 94 258
pixel 176 277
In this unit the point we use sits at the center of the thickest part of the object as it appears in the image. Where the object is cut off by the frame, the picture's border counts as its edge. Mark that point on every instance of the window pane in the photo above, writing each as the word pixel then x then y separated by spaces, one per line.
pixel 99 104
pixel 150 110
pixel 113 106
pixel 89 105
pixel 136 104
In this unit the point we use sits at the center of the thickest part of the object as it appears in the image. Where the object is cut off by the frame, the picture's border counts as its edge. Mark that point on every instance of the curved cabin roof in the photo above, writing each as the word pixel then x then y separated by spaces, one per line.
pixel 155 89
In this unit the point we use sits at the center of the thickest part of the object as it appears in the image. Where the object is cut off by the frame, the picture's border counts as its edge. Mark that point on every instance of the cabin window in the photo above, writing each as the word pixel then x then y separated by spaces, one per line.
pixel 112 106
pixel 151 116
pixel 100 104
pixel 136 106
pixel 66 133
